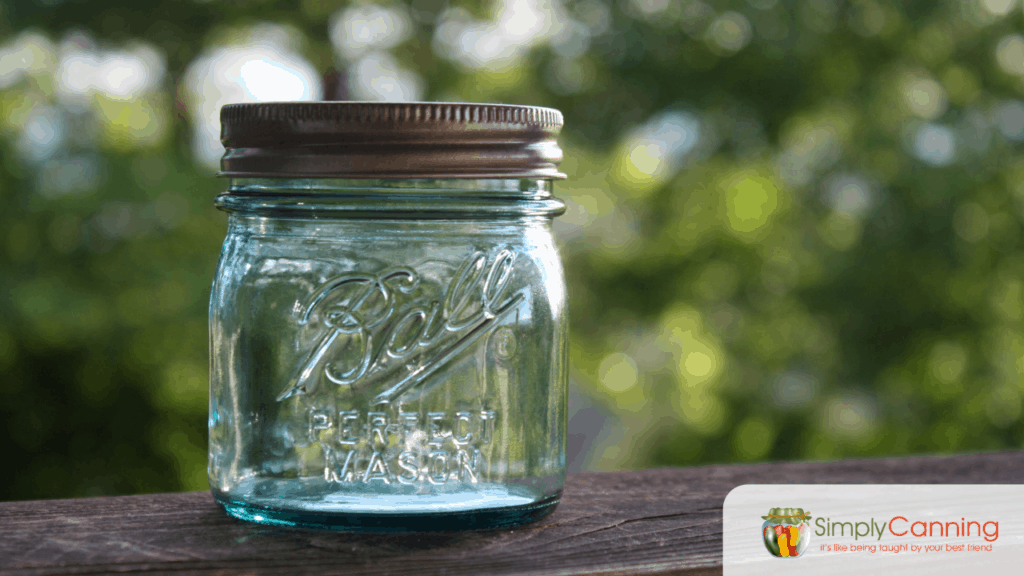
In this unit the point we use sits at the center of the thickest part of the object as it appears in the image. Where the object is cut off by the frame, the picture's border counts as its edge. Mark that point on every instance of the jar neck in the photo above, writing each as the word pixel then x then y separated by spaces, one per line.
pixel 392 198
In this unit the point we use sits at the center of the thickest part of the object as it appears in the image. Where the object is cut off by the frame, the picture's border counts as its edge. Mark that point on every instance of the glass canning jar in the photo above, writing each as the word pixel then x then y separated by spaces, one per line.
pixel 387 324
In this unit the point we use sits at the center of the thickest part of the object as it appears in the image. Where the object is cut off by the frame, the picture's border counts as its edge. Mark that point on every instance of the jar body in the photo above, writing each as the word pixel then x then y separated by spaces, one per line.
pixel 786 539
pixel 378 365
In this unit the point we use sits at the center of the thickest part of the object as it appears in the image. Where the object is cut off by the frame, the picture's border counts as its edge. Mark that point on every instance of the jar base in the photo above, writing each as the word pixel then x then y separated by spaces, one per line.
pixel 478 519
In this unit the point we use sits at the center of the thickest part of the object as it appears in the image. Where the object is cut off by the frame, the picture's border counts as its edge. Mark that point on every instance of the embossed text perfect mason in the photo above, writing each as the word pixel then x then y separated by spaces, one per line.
pixel 387 323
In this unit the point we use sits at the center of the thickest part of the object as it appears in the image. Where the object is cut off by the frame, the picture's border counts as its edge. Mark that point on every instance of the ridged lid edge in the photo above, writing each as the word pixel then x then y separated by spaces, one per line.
pixel 389 140
pixel 379 112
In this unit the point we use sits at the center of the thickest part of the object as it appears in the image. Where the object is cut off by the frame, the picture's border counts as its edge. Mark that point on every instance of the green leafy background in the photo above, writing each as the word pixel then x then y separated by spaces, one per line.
pixel 833 271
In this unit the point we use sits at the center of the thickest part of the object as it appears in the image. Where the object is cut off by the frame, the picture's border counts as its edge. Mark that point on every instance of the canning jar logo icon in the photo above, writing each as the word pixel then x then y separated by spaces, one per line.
pixel 786 532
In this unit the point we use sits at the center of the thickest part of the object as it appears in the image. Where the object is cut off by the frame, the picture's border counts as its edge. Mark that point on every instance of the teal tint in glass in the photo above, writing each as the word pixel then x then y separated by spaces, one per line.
pixel 388 353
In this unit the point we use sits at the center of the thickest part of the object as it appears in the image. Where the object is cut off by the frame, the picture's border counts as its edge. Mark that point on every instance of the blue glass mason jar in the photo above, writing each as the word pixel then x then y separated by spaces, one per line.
pixel 388 329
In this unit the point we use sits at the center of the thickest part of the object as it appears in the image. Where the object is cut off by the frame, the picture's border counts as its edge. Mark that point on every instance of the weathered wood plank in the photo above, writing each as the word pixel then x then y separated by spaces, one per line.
pixel 652 521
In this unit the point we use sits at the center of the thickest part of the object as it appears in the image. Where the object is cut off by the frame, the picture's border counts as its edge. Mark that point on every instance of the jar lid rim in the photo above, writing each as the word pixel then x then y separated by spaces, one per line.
pixel 390 139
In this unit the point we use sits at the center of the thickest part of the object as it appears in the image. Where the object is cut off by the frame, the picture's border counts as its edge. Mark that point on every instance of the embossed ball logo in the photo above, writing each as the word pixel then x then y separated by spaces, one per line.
pixel 365 317
pixel 786 532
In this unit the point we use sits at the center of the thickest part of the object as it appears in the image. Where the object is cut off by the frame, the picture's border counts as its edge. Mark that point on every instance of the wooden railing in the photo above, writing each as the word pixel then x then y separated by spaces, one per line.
pixel 665 521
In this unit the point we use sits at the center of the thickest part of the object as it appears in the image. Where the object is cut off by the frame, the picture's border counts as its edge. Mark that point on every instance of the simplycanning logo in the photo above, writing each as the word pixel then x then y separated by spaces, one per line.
pixel 786 533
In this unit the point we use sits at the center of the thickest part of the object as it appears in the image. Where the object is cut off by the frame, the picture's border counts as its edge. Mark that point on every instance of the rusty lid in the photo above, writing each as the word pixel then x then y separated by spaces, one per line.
pixel 389 140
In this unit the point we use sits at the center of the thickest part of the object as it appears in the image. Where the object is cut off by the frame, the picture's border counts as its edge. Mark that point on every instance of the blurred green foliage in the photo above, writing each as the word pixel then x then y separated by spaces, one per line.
pixel 832 267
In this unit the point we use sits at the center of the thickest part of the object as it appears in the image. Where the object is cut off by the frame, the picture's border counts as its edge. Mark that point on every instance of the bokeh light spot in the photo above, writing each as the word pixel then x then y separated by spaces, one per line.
pixel 618 372
pixel 998 7
pixel 751 200
pixel 731 32
pixel 501 42
pixel 935 144
pixel 925 98
pixel 1010 54
pixel 794 389
pixel 849 194
pixel 1010 119
pixel 258 64
pixel 656 151
pixel 851 416
pixel 698 364
pixel 378 76
pixel 369 27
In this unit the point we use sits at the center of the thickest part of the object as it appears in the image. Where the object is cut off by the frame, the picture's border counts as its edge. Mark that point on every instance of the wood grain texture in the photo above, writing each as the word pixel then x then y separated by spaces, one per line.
pixel 665 521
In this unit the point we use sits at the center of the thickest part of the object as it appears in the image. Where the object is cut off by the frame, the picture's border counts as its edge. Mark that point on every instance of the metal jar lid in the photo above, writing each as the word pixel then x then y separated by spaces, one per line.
pixel 389 140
